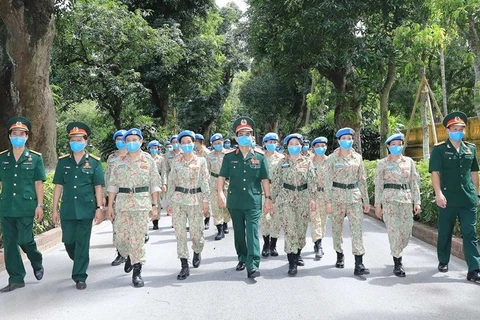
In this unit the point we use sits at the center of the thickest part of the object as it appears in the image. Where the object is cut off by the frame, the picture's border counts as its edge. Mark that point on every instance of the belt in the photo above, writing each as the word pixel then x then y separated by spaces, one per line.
pixel 344 186
pixel 294 188
pixel 191 191
pixel 133 190
pixel 396 186
pixel 213 174
pixel 320 189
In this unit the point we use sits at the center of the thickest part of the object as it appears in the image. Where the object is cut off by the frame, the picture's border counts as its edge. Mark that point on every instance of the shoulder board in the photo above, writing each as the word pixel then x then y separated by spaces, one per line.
pixel 230 151
pixel 440 143
pixel 35 152
pixel 258 150
pixel 94 157
pixel 64 156
pixel 3 151
pixel 469 143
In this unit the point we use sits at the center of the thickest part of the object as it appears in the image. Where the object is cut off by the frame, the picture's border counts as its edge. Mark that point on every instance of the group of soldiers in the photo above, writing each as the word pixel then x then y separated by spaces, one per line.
pixel 254 186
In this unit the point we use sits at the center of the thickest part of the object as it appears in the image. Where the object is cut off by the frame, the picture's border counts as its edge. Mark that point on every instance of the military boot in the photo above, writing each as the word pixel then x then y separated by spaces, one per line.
pixel 299 259
pixel 360 269
pixel 225 228
pixel 292 264
pixel 118 260
pixel 155 224
pixel 137 275
pixel 266 246
pixel 185 271
pixel 207 223
pixel 273 247
pixel 317 247
pixel 398 267
pixel 197 258
pixel 220 235
pixel 128 265
pixel 340 260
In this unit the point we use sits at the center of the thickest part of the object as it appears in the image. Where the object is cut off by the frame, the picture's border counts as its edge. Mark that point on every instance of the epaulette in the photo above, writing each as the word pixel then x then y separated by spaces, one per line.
pixel 230 151
pixel 63 156
pixel 3 151
pixel 94 157
pixel 258 150
pixel 472 144
pixel 440 143
pixel 35 152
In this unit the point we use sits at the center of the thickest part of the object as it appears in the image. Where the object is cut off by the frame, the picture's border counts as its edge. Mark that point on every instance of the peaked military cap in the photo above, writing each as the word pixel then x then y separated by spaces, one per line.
pixel 78 128
pixel 456 117
pixel 243 124
pixel 19 123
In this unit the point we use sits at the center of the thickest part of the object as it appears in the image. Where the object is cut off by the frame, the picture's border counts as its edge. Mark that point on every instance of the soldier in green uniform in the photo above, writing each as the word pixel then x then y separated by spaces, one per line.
pixel 247 170
pixel 22 175
pixel 78 181
pixel 454 169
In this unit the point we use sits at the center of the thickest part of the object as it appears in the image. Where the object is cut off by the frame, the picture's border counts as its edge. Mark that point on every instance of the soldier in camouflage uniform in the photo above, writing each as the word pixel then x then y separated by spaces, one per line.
pixel 221 216
pixel 188 196
pixel 202 151
pixel 134 188
pixel 346 193
pixel 294 190
pixel 318 218
pixel 227 144
pixel 271 225
pixel 154 149
pixel 169 156
pixel 306 148
pixel 397 194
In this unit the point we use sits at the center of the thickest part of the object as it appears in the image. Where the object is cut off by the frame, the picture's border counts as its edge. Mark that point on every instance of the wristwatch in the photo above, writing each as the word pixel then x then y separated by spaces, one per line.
pixel 155 205
pixel 100 207
pixel 41 206
pixel 268 197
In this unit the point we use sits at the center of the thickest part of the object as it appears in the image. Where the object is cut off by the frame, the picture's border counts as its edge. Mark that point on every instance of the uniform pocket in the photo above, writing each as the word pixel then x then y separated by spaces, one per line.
pixel 27 171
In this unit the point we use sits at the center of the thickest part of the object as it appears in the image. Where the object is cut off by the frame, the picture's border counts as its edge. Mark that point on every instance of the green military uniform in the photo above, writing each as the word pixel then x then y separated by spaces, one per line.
pixel 17 205
pixel 78 204
pixel 455 168
pixel 244 198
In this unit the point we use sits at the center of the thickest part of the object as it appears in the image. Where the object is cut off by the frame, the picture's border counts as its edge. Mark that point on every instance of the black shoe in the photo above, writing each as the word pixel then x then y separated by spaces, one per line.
pixel 220 235
pixel 39 273
pixel 299 259
pixel 398 269
pixel 474 276
pixel 147 237
pixel 360 269
pixel 266 246
pixel 185 271
pixel 81 285
pixel 253 273
pixel 118 260
pixel 207 223
pixel 128 265
pixel 155 224
pixel 317 248
pixel 12 287
pixel 292 264
pixel 240 266
pixel 197 258
pixel 137 276
pixel 225 228
pixel 443 267
pixel 340 264
pixel 273 247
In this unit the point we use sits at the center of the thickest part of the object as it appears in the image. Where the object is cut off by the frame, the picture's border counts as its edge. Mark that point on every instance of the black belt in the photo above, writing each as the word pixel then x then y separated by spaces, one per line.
pixel 295 188
pixel 320 189
pixel 344 186
pixel 133 190
pixel 213 174
pixel 396 186
pixel 188 191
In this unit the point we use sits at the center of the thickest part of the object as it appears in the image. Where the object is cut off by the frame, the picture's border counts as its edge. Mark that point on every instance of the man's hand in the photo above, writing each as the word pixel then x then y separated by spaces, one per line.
pixel 366 208
pixel 379 212
pixel 313 205
pixel 222 201
pixel 110 213
pixel 154 213
pixel 98 216
pixel 441 201
pixel 164 189
pixel 56 217
pixel 417 209
pixel 268 206
pixel 328 208
pixel 204 207
pixel 169 210
pixel 39 214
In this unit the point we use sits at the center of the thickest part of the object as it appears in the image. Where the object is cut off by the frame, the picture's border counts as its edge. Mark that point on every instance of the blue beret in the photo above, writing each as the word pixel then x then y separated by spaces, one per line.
pixel 396 136
pixel 173 137
pixel 185 133
pixel 319 140
pixel 198 136
pixel 293 135
pixel 153 143
pixel 215 137
pixel 270 136
pixel 227 140
pixel 119 133
pixel 167 143
pixel 344 131
pixel 133 132
pixel 306 141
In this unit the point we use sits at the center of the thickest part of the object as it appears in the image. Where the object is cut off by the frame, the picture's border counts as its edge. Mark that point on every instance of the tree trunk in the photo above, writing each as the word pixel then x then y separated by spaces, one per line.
pixel 426 133
pixel 384 97
pixel 27 29
pixel 161 99
pixel 444 81
pixel 474 38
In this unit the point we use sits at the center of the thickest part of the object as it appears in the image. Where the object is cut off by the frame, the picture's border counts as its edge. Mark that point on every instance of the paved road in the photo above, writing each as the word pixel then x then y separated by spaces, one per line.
pixel 217 291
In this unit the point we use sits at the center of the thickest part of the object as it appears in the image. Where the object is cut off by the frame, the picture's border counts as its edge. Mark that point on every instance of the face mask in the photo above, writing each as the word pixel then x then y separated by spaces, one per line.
pixel 76 146
pixel 395 150
pixel 218 147
pixel 304 148
pixel 245 141
pixel 133 146
pixel 294 150
pixel 227 145
pixel 456 136
pixel 175 146
pixel 187 148
pixel 18 142
pixel 153 151
pixel 253 144
pixel 320 151
pixel 346 144
pixel 195 147
pixel 168 150
pixel 270 147
pixel 120 144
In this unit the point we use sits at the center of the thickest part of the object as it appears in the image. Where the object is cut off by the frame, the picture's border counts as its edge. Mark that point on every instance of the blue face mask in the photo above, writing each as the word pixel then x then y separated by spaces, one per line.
pixel 76 146
pixel 133 146
pixel 18 142
pixel 175 146
pixel 320 151
pixel 120 144
pixel 227 145
pixel 456 136
pixel 153 151
pixel 346 144
pixel 195 146
pixel 294 150
pixel 244 141
pixel 270 147
pixel 395 150
pixel 304 148
pixel 187 148
pixel 218 147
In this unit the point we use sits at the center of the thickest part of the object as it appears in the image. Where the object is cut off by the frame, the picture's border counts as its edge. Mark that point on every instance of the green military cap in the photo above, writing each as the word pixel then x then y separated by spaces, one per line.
pixel 19 123
pixel 243 124
pixel 78 128
pixel 456 117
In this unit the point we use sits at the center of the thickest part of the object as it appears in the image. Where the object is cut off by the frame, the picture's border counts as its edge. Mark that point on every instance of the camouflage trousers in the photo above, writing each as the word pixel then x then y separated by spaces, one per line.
pixel 354 212
pixel 318 221
pixel 295 217
pixel 195 222
pixel 271 224
pixel 398 218
pixel 129 234
pixel 220 215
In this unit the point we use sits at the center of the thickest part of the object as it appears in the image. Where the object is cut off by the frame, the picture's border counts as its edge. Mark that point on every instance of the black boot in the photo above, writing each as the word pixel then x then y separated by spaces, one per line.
pixel 292 264
pixel 197 258
pixel 147 237
pixel 118 260
pixel 300 261
pixel 360 269
pixel 266 246
pixel 340 260
pixel 155 224
pixel 137 275
pixel 273 247
pixel 225 228
pixel 185 271
pixel 220 235
pixel 207 223
pixel 398 267
pixel 317 247
pixel 128 265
